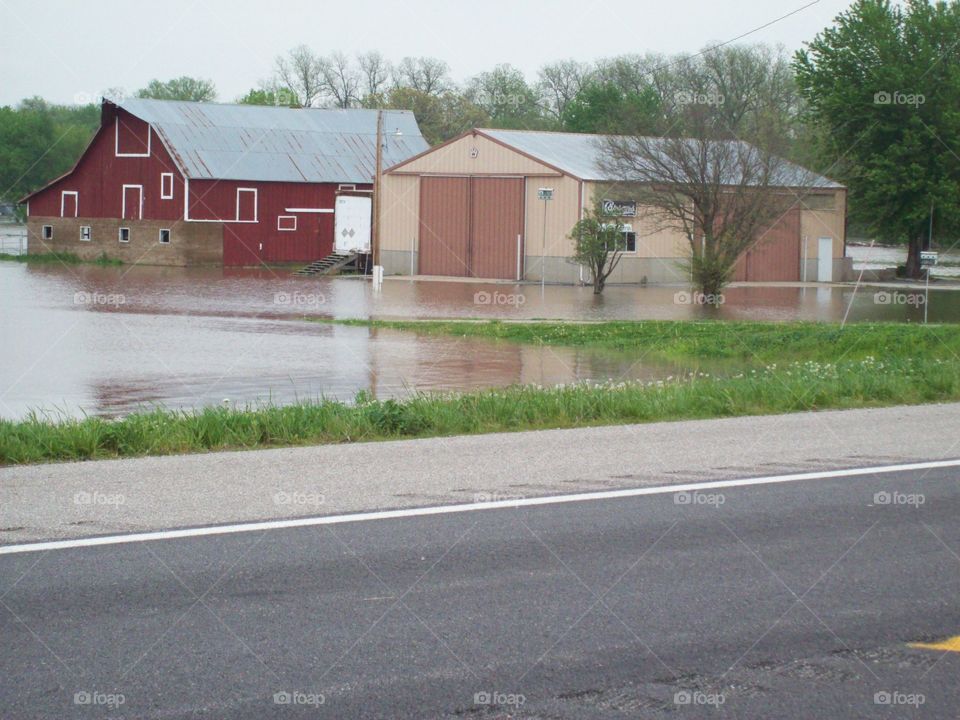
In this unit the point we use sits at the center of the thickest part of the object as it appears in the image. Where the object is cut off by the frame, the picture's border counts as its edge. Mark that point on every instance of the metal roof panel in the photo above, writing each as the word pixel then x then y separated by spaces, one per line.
pixel 580 155
pixel 277 144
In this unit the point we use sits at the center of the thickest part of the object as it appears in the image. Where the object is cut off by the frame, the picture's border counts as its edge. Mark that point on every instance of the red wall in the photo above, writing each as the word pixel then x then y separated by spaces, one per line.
pixel 253 243
pixel 100 176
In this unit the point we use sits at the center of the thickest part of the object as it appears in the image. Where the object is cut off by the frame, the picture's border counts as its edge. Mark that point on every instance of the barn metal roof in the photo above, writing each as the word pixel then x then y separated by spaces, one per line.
pixel 580 155
pixel 264 143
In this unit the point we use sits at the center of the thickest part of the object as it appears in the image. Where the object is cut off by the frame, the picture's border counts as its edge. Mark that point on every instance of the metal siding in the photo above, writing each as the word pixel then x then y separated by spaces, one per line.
pixel 444 226
pixel 776 256
pixel 473 155
pixel 399 212
pixel 562 213
pixel 496 221
pixel 261 242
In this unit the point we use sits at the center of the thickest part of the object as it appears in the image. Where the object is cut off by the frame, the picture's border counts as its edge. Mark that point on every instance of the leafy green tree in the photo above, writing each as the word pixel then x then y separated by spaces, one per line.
pixel 505 96
pixel 279 97
pixel 598 245
pixel 440 117
pixel 181 88
pixel 883 84
pixel 606 108
pixel 39 142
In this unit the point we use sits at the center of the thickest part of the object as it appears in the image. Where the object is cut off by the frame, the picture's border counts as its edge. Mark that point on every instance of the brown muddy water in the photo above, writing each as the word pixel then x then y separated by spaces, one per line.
pixel 91 340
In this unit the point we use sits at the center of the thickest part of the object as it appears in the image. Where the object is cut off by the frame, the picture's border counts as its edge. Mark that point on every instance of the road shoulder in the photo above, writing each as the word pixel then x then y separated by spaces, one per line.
pixel 136 495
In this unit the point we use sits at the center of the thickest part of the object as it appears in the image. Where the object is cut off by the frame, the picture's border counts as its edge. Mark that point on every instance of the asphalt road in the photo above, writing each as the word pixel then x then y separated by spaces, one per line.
pixel 792 600
pixel 67 500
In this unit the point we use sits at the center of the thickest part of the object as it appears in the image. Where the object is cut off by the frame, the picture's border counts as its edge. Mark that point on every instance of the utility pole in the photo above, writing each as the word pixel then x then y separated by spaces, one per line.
pixel 376 191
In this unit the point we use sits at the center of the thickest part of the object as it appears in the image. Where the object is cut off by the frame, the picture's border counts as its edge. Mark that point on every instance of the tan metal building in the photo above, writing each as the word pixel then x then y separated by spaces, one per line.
pixel 472 208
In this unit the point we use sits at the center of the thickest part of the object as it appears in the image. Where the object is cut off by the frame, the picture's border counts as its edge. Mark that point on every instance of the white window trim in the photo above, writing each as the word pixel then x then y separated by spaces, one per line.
pixel 116 141
pixel 123 210
pixel 120 235
pixel 287 217
pixel 164 195
pixel 349 187
pixel 626 228
pixel 309 210
pixel 256 203
pixel 76 202
pixel 89 232
pixel 43 232
pixel 169 236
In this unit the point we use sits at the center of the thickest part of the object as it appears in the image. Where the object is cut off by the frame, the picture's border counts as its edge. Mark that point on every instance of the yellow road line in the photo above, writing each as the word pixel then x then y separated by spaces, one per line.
pixel 951 644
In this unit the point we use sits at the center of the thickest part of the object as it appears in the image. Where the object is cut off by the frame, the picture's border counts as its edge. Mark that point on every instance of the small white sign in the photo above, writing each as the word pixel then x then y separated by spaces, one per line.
pixel 545 193
pixel 928 258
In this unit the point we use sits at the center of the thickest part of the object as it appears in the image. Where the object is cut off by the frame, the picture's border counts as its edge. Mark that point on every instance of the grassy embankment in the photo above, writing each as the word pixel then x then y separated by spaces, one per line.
pixel 65 258
pixel 795 367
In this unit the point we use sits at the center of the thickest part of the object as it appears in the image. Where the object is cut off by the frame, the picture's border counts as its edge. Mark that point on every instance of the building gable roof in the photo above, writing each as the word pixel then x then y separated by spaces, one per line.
pixel 211 141
pixel 580 155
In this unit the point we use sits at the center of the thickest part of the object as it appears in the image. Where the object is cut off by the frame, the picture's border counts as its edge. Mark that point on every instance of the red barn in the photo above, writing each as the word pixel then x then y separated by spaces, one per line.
pixel 181 183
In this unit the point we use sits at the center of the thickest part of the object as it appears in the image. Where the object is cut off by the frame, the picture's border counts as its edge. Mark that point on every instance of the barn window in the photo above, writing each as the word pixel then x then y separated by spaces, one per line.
pixel 164 237
pixel 46 232
pixel 69 202
pixel 246 205
pixel 286 223
pixel 85 233
pixel 166 186
pixel 124 235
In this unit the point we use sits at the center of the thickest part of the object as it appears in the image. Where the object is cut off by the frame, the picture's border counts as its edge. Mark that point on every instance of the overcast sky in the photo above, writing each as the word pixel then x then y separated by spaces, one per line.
pixel 67 49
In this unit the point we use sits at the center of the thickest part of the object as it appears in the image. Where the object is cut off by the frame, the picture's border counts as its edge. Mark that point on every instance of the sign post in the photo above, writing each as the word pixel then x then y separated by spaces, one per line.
pixel 927 260
pixel 546 195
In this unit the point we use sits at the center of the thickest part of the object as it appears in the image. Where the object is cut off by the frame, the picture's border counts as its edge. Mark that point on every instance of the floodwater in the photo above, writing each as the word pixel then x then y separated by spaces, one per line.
pixel 878 257
pixel 86 339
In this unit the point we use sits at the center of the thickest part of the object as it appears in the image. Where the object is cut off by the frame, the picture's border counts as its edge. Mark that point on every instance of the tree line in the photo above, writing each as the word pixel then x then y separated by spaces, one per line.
pixel 623 94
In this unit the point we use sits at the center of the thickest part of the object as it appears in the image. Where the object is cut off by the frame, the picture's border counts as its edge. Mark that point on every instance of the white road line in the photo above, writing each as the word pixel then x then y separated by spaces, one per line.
pixel 468 507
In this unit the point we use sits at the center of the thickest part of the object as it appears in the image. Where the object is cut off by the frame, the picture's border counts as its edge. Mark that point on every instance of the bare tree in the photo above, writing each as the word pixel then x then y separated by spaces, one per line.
pixel 424 74
pixel 302 73
pixel 723 195
pixel 341 81
pixel 719 175
pixel 375 73
pixel 560 82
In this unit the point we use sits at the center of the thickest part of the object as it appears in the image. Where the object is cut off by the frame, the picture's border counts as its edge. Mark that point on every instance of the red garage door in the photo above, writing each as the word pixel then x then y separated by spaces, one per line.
pixel 444 226
pixel 469 226
pixel 776 256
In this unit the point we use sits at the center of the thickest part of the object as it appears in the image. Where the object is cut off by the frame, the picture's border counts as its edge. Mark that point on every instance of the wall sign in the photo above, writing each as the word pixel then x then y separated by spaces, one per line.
pixel 620 208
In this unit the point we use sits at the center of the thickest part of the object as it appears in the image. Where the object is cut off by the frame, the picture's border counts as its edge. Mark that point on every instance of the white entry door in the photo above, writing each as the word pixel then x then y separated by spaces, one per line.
pixel 825 260
pixel 352 225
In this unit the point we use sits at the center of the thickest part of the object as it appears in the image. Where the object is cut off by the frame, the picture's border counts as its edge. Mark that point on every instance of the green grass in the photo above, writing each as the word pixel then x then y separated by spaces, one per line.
pixel 711 339
pixel 65 258
pixel 769 389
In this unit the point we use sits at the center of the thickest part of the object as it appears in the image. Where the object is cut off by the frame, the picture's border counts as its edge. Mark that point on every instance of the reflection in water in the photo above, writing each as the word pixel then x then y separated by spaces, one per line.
pixel 110 340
